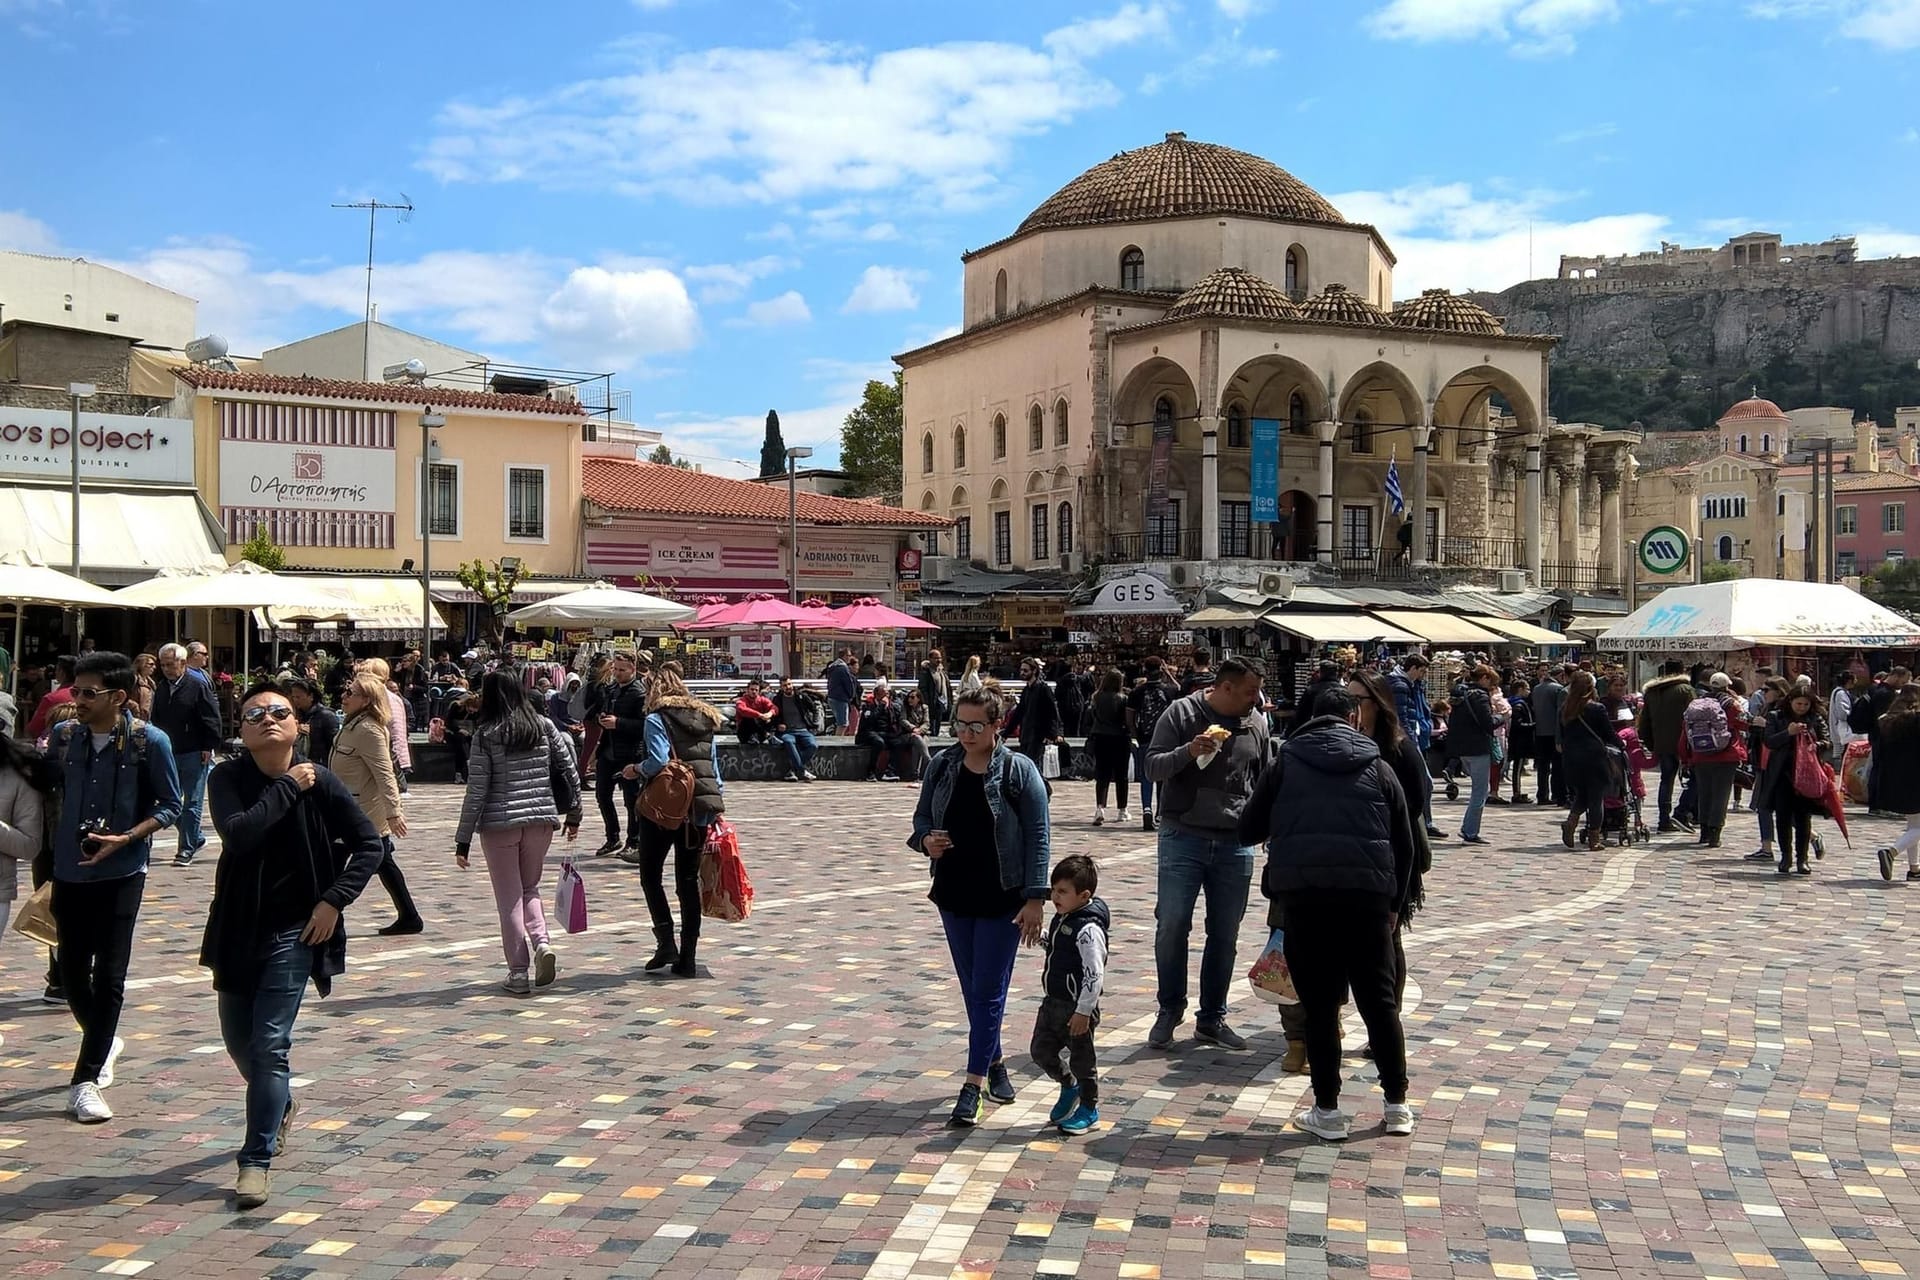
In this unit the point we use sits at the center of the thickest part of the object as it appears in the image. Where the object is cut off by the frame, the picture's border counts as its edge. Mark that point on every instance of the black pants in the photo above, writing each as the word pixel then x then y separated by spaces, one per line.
pixel 1792 824
pixel 95 919
pixel 461 743
pixel 1336 942
pixel 394 883
pixel 876 744
pixel 685 843
pixel 1669 774
pixel 1549 787
pixel 1052 1042
pixel 1587 779
pixel 1110 756
pixel 605 774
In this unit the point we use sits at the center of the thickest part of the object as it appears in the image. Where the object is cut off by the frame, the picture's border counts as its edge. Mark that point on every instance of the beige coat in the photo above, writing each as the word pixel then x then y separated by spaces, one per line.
pixel 363 760
pixel 22 820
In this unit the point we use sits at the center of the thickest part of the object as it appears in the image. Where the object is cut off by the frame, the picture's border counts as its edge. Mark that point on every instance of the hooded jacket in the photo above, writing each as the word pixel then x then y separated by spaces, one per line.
pixel 1410 702
pixel 1333 817
pixel 1897 761
pixel 1663 710
pixel 682 729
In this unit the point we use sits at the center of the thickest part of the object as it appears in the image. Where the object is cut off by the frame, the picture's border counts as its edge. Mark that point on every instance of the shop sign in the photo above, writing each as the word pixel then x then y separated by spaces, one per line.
pixel 906 565
pixel 966 618
pixel 909 587
pixel 1180 639
pixel 844 560
pixel 1135 593
pixel 1034 614
pixel 686 557
pixel 304 477
pixel 37 444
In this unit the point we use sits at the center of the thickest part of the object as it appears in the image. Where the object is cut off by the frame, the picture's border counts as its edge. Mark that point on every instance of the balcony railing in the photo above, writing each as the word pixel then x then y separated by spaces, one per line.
pixel 1590 578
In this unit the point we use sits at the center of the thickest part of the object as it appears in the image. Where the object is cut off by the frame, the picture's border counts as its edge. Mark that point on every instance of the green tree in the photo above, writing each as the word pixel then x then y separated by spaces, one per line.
pixel 494 585
pixel 1722 571
pixel 1895 585
pixel 262 550
pixel 870 442
pixel 773 450
pixel 667 458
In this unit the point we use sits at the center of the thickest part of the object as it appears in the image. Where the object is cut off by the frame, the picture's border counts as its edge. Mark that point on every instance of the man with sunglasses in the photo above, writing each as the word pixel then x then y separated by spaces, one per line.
pixel 118 787
pixel 187 711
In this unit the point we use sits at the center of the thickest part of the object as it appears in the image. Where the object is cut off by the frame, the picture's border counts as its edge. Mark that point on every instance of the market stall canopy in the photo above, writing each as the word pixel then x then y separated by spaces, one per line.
pixel 124 537
pixel 761 611
pixel 1338 628
pixel 242 586
pixel 868 614
pixel 382 603
pixel 1519 632
pixel 23 582
pixel 1588 627
pixel 1136 593
pixel 602 605
pixel 1224 615
pixel 1745 612
pixel 1440 628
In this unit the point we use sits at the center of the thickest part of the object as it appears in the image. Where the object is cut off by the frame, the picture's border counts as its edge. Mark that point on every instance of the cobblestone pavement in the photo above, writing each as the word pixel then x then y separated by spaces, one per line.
pixel 1653 1061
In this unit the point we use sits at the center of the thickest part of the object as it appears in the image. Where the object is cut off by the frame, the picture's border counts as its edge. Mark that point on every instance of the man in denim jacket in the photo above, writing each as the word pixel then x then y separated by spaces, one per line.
pixel 119 787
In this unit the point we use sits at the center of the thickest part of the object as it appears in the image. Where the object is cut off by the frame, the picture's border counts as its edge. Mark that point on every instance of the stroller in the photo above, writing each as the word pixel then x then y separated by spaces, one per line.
pixel 1621 822
pixel 1442 765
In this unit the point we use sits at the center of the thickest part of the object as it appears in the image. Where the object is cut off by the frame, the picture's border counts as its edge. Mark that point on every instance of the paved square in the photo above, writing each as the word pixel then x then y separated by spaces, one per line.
pixel 1653 1061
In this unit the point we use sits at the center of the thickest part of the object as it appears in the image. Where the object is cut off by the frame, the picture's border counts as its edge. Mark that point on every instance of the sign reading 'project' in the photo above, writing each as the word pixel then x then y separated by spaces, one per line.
pixel 38 444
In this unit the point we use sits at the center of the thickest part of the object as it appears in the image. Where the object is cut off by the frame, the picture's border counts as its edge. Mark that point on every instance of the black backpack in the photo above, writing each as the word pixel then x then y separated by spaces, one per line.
pixel 1155 698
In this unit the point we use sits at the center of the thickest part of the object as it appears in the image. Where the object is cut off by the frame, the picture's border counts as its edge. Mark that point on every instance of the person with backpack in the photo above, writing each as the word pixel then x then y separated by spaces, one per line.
pixel 1145 705
pixel 1713 745
pixel 1796 718
pixel 679 741
pixel 118 788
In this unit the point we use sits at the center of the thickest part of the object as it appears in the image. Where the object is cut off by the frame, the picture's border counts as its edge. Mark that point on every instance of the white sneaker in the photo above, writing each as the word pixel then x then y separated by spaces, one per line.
pixel 1124 817
pixel 1333 1126
pixel 545 965
pixel 1398 1120
pixel 1099 816
pixel 105 1078
pixel 517 984
pixel 86 1105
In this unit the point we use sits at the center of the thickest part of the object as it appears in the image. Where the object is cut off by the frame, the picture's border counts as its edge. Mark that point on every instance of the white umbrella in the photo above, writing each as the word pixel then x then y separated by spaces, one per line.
pixel 25 583
pixel 602 605
pixel 244 586
pixel 1743 613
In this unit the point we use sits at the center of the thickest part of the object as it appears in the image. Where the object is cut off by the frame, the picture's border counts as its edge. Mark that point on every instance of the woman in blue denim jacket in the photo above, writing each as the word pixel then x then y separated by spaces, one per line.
pixel 982 823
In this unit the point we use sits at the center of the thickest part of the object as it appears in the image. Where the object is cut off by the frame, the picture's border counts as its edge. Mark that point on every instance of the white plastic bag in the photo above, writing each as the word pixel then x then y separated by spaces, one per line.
pixel 1050 761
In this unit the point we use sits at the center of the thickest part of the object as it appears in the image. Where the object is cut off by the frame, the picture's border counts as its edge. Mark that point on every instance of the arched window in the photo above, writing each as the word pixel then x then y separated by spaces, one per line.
pixel 1036 430
pixel 1236 426
pixel 1066 528
pixel 1743 444
pixel 926 454
pixel 1162 414
pixel 1133 269
pixel 1724 547
pixel 1782 504
pixel 1296 414
pixel 1061 438
pixel 999 436
pixel 1296 273
pixel 1362 431
pixel 959 448
pixel 1000 294
pixel 1766 442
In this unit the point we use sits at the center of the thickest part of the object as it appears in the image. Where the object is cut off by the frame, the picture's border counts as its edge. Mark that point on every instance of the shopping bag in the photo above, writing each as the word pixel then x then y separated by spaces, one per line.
pixel 570 899
pixel 725 892
pixel 1855 765
pixel 1270 978
pixel 35 917
pixel 1809 771
pixel 436 730
pixel 1050 761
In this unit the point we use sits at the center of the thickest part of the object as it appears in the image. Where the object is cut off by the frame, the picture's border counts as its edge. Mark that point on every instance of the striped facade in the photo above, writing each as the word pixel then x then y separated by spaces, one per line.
pixel 307 424
pixel 372 530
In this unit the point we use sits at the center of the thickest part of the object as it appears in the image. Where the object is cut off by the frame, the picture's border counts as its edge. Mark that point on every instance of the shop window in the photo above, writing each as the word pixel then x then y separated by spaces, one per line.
pixel 1236 529
pixel 1066 528
pixel 1036 430
pixel 1041 526
pixel 963 536
pixel 1003 537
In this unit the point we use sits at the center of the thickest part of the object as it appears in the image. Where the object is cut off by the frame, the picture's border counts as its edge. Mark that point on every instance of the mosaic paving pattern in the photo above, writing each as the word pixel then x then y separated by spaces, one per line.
pixel 1647 1062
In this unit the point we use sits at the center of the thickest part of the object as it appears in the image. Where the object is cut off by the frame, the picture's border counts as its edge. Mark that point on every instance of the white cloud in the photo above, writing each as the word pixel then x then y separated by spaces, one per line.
pixel 25 234
pixel 1530 27
pixel 738 124
pixel 1224 57
pixel 1893 25
pixel 788 308
pixel 1885 242
pixel 620 317
pixel 884 289
pixel 1910 137
pixel 1239 10
pixel 728 281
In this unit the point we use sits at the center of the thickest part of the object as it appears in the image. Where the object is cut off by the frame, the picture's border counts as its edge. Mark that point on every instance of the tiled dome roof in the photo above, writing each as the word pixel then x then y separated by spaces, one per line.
pixel 1341 305
pixel 1753 409
pixel 1180 179
pixel 1439 309
pixel 1234 292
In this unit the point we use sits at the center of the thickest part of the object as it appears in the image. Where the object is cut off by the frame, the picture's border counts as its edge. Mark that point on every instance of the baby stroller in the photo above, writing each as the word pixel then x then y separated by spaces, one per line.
pixel 1442 765
pixel 1621 822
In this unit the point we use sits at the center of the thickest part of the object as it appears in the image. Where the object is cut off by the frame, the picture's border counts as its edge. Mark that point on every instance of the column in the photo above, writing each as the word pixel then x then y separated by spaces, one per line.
pixel 1610 526
pixel 1209 488
pixel 1323 547
pixel 1570 484
pixel 1417 506
pixel 1530 500
pixel 1766 523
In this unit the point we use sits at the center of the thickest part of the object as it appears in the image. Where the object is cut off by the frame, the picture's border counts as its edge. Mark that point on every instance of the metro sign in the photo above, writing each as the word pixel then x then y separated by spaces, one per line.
pixel 1665 550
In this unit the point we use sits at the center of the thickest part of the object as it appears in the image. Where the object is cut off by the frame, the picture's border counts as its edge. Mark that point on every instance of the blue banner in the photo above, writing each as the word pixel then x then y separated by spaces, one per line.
pixel 1266 470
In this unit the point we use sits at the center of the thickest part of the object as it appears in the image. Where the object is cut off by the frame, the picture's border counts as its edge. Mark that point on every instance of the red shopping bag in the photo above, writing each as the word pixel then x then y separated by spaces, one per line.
pixel 1810 777
pixel 725 892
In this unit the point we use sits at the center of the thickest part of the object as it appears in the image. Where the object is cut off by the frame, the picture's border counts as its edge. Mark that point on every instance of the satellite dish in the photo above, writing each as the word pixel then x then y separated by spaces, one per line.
pixel 202 350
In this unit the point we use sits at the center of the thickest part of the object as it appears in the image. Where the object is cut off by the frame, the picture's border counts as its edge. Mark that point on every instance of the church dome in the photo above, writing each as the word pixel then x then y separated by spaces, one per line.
pixel 1181 179
pixel 1753 409
pixel 1341 305
pixel 1439 309
pixel 1235 293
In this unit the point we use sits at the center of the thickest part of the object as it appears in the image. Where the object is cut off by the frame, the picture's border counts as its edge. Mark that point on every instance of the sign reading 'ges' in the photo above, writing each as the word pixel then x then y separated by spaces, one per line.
pixel 37 444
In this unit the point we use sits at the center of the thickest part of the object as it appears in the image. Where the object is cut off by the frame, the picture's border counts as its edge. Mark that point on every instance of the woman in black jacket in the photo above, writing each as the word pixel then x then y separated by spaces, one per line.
pixel 1897 760
pixel 1380 721
pixel 1586 734
pixel 1470 730
pixel 1797 717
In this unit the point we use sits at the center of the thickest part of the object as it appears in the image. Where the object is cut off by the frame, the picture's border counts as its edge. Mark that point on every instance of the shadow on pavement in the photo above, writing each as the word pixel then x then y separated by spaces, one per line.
pixel 65 1195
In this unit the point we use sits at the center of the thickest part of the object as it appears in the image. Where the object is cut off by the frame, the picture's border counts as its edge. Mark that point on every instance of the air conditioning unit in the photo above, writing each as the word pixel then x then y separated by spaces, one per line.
pixel 1276 586
pixel 1183 574
pixel 936 568
pixel 1513 579
pixel 1071 562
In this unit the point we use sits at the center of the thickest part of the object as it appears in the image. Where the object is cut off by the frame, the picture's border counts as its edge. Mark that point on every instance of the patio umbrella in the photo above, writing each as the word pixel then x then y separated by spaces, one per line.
pixel 762 612
pixel 602 605
pixel 868 614
pixel 244 586
pixel 706 606
pixel 1741 613
pixel 25 583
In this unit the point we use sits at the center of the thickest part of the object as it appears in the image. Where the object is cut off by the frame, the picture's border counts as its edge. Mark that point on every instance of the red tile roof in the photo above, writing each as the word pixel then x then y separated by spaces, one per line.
pixel 403 393
pixel 649 487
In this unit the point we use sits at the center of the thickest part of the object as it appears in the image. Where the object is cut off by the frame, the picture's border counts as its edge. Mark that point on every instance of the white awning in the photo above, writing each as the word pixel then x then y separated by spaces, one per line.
pixel 1224 615
pixel 1518 631
pixel 124 537
pixel 384 603
pixel 1440 628
pixel 1338 628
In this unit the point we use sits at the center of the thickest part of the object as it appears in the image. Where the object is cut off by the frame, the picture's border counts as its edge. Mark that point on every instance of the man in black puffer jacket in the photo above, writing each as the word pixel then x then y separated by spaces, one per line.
pixel 1340 859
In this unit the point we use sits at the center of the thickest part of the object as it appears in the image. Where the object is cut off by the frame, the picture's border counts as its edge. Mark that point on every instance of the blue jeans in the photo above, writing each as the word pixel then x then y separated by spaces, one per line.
pixel 1190 864
pixel 1140 773
pixel 800 747
pixel 983 956
pixel 1766 828
pixel 842 713
pixel 1479 770
pixel 193 797
pixel 257 1026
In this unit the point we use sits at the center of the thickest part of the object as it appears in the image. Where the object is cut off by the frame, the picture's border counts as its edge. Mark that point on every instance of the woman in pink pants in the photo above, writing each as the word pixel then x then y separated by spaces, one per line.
pixel 521 780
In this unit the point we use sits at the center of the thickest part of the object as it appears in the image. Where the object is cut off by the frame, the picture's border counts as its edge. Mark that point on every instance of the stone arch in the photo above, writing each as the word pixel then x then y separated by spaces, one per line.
pixel 999 491
pixel 1384 390
pixel 927 500
pixel 1062 478
pixel 1464 395
pixel 959 496
pixel 1268 382
pixel 1153 380
pixel 1723 547
pixel 1036 482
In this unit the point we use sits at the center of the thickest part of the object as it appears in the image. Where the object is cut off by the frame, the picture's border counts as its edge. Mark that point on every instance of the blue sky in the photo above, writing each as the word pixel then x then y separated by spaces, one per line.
pixel 741 205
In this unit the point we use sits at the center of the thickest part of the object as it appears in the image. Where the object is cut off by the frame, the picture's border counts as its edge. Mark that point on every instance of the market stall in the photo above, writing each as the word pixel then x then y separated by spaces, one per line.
pixel 1129 618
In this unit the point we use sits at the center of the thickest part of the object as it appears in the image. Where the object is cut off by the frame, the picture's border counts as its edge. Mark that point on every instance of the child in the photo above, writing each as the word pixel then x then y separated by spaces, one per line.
pixel 1076 947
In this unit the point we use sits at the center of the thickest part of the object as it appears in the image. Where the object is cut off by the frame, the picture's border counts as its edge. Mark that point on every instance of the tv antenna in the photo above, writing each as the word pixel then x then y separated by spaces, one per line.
pixel 373 207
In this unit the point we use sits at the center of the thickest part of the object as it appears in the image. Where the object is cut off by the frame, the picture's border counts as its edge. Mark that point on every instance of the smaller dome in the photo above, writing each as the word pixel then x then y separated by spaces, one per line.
pixel 1341 305
pixel 1438 309
pixel 1753 409
pixel 1236 293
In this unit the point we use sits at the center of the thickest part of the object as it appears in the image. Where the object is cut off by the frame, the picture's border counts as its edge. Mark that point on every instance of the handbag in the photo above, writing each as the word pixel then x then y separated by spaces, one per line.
pixel 725 891
pixel 570 899
pixel 35 917
pixel 1270 977
pixel 667 798
pixel 1050 761
pixel 1809 771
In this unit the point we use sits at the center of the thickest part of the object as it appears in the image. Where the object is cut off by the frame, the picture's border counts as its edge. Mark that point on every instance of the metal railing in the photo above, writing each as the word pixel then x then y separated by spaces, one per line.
pixel 1138 548
pixel 1589 578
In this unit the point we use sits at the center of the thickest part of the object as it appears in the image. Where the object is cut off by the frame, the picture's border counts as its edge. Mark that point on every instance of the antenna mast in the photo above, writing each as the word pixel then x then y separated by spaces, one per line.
pixel 373 208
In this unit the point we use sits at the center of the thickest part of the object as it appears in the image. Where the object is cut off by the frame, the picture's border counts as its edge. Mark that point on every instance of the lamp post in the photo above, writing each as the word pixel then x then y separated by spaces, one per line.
pixel 429 420
pixel 76 392
pixel 793 522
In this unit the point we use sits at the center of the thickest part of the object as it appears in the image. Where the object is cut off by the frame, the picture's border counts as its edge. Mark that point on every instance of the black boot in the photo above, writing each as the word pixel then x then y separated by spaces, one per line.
pixel 666 955
pixel 689 943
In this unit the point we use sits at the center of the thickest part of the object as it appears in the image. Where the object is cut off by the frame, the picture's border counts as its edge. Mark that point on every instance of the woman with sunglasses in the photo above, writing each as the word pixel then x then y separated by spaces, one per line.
pixel 363 759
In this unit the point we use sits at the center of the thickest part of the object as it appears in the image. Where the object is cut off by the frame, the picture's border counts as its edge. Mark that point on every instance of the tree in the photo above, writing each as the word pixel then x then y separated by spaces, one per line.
pixel 870 443
pixel 1895 585
pixel 773 451
pixel 1722 571
pixel 494 585
pixel 667 458
pixel 262 550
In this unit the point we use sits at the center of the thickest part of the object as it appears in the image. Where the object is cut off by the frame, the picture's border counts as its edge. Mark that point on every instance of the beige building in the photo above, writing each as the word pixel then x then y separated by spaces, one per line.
pixel 1182 292
pixel 72 293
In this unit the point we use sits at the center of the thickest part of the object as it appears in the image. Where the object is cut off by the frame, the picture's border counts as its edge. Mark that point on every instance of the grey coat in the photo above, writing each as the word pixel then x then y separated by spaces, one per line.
pixel 22 822
pixel 517 789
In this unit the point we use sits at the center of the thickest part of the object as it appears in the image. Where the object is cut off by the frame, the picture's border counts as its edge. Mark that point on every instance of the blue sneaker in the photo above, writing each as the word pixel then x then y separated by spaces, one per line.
pixel 1068 1104
pixel 1082 1120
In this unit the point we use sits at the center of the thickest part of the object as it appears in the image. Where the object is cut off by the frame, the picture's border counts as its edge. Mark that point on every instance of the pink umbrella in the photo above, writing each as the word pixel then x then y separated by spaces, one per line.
pixel 868 614
pixel 706 606
pixel 760 611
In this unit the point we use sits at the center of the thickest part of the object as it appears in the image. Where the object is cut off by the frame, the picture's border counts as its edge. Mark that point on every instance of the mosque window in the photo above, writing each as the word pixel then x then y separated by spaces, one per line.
pixel 999 435
pixel 959 448
pixel 1060 434
pixel 1133 269
pixel 1362 431
pixel 1236 426
pixel 1000 294
pixel 926 454
pixel 1297 414
pixel 1036 430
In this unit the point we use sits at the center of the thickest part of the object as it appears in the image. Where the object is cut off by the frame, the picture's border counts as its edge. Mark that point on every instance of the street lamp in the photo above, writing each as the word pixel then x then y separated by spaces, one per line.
pixel 76 392
pixel 429 420
pixel 793 523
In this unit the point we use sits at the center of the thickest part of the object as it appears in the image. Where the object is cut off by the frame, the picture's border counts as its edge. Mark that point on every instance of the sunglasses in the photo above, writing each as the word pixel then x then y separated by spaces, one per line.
pixel 87 695
pixel 255 715
pixel 970 726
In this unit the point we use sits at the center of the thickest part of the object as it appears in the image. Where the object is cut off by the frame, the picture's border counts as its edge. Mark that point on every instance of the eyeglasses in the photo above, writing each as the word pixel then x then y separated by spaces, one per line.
pixel 88 694
pixel 971 726
pixel 254 715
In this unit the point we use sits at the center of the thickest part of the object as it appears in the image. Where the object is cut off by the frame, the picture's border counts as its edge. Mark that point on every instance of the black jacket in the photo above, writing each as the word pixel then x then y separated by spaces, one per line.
pixel 270 831
pixel 1776 779
pixel 188 711
pixel 321 727
pixel 1039 717
pixel 1333 817
pixel 625 743
pixel 1470 726
pixel 1065 971
pixel 1896 762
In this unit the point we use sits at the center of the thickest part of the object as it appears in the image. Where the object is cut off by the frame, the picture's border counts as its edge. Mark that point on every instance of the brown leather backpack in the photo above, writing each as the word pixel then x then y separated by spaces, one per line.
pixel 667 798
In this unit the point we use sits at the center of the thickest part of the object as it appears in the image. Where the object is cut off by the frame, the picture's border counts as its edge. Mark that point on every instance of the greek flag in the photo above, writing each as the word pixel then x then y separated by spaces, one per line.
pixel 1394 497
